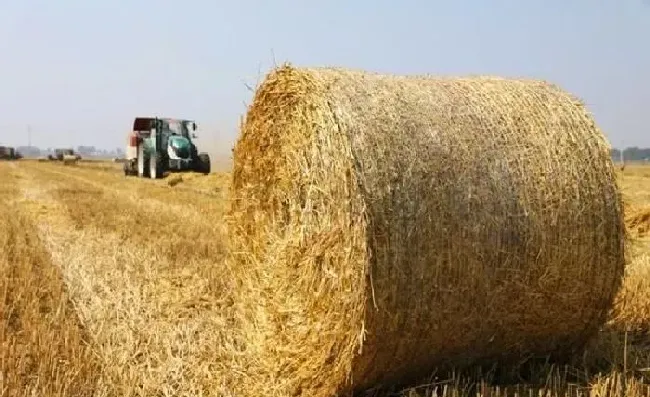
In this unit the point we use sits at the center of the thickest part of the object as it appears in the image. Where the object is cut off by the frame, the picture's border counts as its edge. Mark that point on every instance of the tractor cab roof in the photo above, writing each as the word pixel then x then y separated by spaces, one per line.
pixel 147 123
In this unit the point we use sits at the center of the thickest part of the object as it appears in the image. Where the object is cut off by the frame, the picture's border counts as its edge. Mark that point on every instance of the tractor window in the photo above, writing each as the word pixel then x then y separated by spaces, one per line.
pixel 185 131
pixel 177 128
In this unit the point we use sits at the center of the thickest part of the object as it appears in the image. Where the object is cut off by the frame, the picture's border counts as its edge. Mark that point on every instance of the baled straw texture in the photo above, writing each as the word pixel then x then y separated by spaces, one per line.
pixel 386 225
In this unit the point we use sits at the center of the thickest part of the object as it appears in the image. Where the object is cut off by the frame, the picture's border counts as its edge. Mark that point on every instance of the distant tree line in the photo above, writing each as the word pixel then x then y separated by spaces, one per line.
pixel 631 154
pixel 84 151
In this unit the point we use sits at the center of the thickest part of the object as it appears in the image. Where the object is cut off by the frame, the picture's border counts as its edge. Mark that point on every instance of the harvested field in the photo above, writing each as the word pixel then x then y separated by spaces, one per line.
pixel 115 286
pixel 44 349
pixel 638 221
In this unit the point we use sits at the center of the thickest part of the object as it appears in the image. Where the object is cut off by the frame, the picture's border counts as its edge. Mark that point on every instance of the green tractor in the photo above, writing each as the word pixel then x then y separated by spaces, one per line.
pixel 160 145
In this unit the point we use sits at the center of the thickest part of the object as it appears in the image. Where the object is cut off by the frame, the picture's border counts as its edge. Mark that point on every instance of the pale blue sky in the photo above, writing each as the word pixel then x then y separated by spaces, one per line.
pixel 79 71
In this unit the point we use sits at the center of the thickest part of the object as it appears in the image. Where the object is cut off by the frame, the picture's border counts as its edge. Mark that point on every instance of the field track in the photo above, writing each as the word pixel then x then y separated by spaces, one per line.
pixel 114 286
pixel 140 263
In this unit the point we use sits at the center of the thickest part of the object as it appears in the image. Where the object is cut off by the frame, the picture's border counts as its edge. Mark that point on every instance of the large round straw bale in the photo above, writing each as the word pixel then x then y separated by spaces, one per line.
pixel 383 226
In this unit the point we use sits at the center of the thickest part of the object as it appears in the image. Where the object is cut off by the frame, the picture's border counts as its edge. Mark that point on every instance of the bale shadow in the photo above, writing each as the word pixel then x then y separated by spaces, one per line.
pixel 612 353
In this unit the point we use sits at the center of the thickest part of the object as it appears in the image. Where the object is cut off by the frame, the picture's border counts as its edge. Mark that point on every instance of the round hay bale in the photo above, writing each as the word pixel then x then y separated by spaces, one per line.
pixel 69 159
pixel 382 226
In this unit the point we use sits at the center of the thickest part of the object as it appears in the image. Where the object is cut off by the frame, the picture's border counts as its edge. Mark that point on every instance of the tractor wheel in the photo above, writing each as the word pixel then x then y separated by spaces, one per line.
pixel 204 163
pixel 130 168
pixel 155 166
pixel 143 171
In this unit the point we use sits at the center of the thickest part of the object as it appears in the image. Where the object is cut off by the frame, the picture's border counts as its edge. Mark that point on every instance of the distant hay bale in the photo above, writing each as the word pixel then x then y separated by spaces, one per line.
pixel 70 159
pixel 383 225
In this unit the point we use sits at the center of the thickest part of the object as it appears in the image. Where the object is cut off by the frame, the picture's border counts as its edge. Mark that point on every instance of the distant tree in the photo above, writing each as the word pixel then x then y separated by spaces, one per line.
pixel 86 150
pixel 29 151
pixel 633 153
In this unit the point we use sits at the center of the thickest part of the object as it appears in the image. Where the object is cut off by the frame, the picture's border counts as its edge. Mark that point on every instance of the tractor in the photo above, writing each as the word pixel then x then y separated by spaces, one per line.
pixel 160 145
